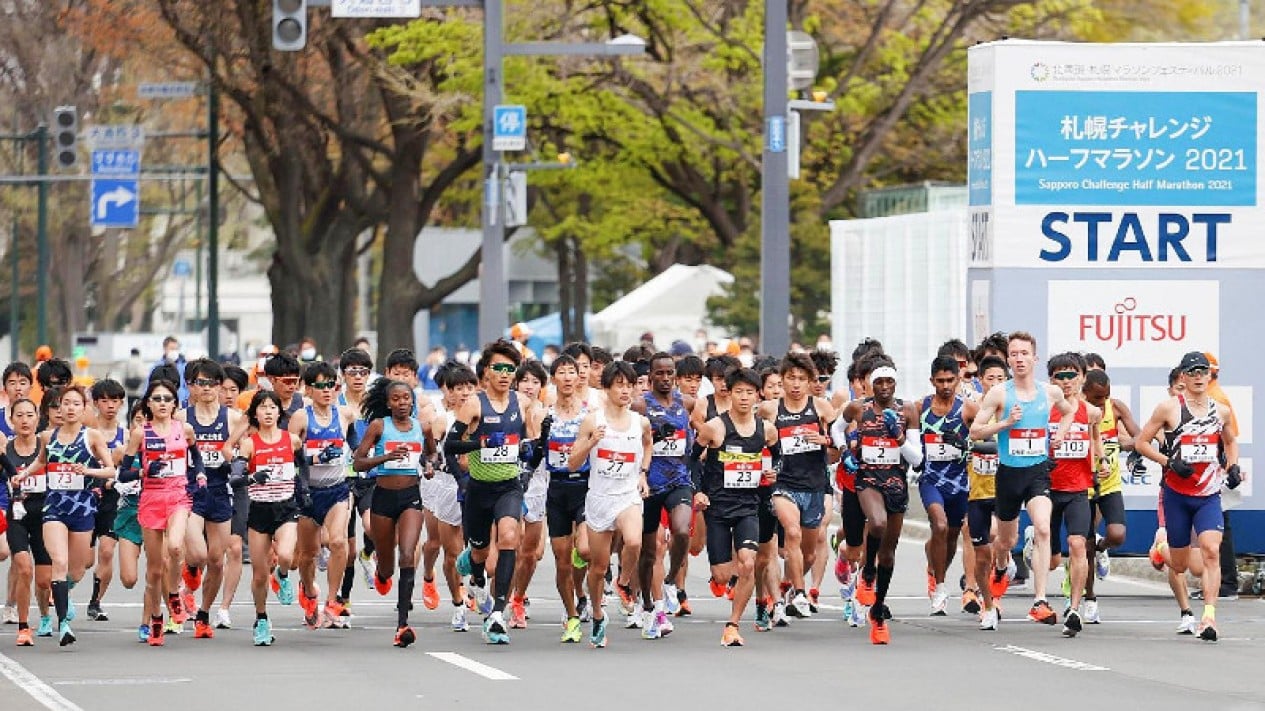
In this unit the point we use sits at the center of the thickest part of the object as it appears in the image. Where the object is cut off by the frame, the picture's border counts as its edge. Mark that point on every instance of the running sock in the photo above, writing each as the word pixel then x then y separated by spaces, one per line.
pixel 96 592
pixel 282 574
pixel 261 616
pixel 408 576
pixel 884 582
pixel 478 574
pixel 23 626
pixel 61 598
pixel 204 617
pixel 349 577
pixel 1187 611
pixel 872 544
pixel 505 561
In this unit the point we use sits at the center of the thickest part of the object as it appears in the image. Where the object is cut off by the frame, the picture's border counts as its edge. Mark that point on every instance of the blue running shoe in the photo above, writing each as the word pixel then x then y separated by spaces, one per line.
pixel 285 593
pixel 142 634
pixel 46 626
pixel 494 629
pixel 598 637
pixel 70 611
pixel 67 637
pixel 464 563
pixel 263 633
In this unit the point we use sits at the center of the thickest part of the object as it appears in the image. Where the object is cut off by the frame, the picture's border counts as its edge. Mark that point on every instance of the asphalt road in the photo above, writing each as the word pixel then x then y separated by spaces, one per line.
pixel 1133 659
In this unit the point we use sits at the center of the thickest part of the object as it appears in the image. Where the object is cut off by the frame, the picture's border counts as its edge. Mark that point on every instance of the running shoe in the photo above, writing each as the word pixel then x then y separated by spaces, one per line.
pixel 633 620
pixel 1188 624
pixel 865 591
pixel 482 600
pixel 322 559
pixel 10 614
pixel 664 622
pixel 571 633
pixel 192 577
pixel 311 605
pixel 999 582
pixel 843 570
pixel 931 585
pixel 717 587
pixel 576 561
pixel 1102 565
pixel 263 633
pixel 382 586
pixel 763 620
pixel 142 634
pixel 222 620
pixel 1042 613
pixel 583 609
pixel 939 602
pixel 67 637
pixel 1029 545
pixel 650 625
pixel 285 591
pixel 859 615
pixel 848 604
pixel 494 630
pixel 1091 613
pixel 597 638
pixel 683 601
pixel 670 602
pixel 46 626
pixel 367 566
pixel 813 596
pixel 1072 624
pixel 430 594
pixel 94 612
pixel 25 638
pixel 157 637
pixel 1156 556
pixel 175 605
pixel 627 601
pixel 731 638
pixel 729 589
pixel 1208 629
pixel 458 621
pixel 517 614
pixel 404 636
pixel 849 588
pixel 465 565
pixel 879 632
pixel 173 627
pixel 970 602
pixel 799 606
pixel 1066 586
pixel 202 630
pixel 989 619
pixel 526 608
pixel 779 614
pixel 71 612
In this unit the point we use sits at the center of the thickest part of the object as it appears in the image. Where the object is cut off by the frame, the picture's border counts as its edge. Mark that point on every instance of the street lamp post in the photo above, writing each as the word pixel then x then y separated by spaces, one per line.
pixel 775 193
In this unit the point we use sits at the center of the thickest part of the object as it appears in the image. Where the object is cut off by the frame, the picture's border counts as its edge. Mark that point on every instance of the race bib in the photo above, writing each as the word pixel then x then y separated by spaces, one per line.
pixel 880 451
pixel 1074 446
pixel 278 472
pixel 560 453
pixel 1200 449
pixel 407 464
pixel 313 447
pixel 984 464
pixel 212 454
pixel 794 439
pixel 1027 443
pixel 62 477
pixel 673 446
pixel 174 464
pixel 741 470
pixel 35 484
pixel 613 464
pixel 504 453
pixel 937 450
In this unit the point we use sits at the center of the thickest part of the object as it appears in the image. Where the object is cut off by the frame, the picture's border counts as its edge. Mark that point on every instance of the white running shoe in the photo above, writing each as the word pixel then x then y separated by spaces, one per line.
pixel 1102 564
pixel 939 601
pixel 1091 613
pixel 481 598
pixel 459 623
pixel 860 613
pixel 799 607
pixel 989 619
pixel 664 622
pixel 222 620
pixel 779 614
pixel 1188 625
pixel 10 614
pixel 670 603
pixel 650 628
pixel 633 621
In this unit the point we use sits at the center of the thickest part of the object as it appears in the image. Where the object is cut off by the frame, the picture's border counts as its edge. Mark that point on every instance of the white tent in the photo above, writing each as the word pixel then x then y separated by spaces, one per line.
pixel 672 305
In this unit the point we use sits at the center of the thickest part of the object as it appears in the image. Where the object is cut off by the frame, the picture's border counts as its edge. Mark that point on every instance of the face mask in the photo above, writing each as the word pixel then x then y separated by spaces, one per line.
pixel 462 356
pixel 308 354
pixel 172 356
pixel 546 360
pixel 746 359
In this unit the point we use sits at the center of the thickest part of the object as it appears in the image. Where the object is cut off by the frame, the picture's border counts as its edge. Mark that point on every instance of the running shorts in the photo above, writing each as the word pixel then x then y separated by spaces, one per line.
pixel 392 503
pixel 727 533
pixel 1016 485
pixel 269 516
pixel 324 499
pixel 564 508
pixel 656 506
pixel 601 511
pixel 890 483
pixel 487 502
pixel 1186 513
pixel 954 504
pixel 214 504
pixel 811 505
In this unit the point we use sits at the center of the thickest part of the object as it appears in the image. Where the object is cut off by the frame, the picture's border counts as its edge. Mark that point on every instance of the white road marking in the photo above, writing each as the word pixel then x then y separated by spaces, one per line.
pixel 469 664
pixel 123 682
pixel 1050 658
pixel 32 685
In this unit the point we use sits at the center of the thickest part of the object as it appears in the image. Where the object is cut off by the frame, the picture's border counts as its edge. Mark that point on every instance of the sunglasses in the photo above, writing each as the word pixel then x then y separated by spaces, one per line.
pixel 823 378
pixel 162 398
pixel 503 368
pixel 57 383
pixel 324 385
pixel 206 382
pixel 356 372
pixel 288 380
pixel 1065 375
pixel 1197 372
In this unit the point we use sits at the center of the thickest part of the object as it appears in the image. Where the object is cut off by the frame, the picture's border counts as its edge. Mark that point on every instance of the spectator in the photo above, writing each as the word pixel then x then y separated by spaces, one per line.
pixel 363 344
pixel 173 356
pixel 307 350
pixel 426 374
pixel 133 377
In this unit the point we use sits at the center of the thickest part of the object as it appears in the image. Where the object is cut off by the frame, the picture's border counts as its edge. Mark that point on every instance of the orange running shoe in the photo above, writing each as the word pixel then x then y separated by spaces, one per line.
pixel 25 638
pixel 879 632
pixel 202 630
pixel 335 615
pixel 518 614
pixel 998 584
pixel 311 607
pixel 156 636
pixel 382 586
pixel 192 578
pixel 931 584
pixel 731 638
pixel 1157 556
pixel 865 591
pixel 685 610
pixel 274 582
pixel 404 636
pixel 718 588
pixel 175 605
pixel 1042 613
pixel 430 594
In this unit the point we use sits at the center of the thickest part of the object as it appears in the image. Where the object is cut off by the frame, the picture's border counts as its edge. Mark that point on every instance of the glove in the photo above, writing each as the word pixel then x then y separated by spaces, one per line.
pixel 155 468
pixel 664 430
pixel 494 439
pixel 1136 464
pixel 260 477
pixel 237 473
pixel 894 422
pixel 545 425
pixel 954 439
pixel 1233 476
pixel 849 460
pixel 1180 468
pixel 331 453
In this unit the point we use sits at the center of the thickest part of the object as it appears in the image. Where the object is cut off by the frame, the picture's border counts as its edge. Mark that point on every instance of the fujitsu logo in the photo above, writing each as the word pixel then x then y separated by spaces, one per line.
pixel 1123 325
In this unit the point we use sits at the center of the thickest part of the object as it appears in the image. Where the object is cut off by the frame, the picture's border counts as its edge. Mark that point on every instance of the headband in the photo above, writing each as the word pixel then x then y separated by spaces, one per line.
pixel 885 371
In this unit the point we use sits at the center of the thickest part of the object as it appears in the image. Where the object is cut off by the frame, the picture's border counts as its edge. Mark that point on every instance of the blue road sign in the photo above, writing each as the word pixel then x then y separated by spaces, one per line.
pixel 181 268
pixel 775 134
pixel 509 128
pixel 116 162
pixel 116 202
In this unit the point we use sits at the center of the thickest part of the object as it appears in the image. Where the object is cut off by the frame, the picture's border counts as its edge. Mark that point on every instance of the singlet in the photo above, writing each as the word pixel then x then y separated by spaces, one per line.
pixel 210 439
pixel 296 404
pixel 981 472
pixel 35 486
pixel 943 464
pixel 391 439
pixel 1109 431
pixel 499 435
pixel 615 461
pixel 1073 459
pixel 317 438
pixel 172 450
pixel 1197 440
pixel 1027 442
pixel 562 434
pixel 712 411
pixel 61 459
pixel 878 451
pixel 803 463
pixel 732 471
pixel 5 429
pixel 668 469
pixel 278 460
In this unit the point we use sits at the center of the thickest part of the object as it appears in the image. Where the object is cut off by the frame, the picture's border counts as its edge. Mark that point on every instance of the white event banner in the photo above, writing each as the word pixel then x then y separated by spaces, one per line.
pixel 376 8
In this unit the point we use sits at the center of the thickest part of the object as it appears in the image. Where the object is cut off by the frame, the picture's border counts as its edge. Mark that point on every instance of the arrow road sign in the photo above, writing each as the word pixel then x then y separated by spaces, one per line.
pixel 116 202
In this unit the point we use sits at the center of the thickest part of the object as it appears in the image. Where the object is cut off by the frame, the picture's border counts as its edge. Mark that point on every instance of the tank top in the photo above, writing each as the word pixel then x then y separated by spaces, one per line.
pixel 732 471
pixel 277 459
pixel 317 438
pixel 667 460
pixel 712 412
pixel 943 464
pixel 170 449
pixel 562 434
pixel 1109 431
pixel 879 451
pixel 1027 442
pixel 981 472
pixel 35 486
pixel 392 438
pixel 63 457
pixel 499 435
pixel 615 461
pixel 1197 440
pixel 803 462
pixel 1073 458
pixel 210 440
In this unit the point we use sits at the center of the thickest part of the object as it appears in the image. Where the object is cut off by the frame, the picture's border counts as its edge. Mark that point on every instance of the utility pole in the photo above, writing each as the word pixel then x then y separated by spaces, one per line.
pixel 41 236
pixel 775 193
pixel 213 214
pixel 493 285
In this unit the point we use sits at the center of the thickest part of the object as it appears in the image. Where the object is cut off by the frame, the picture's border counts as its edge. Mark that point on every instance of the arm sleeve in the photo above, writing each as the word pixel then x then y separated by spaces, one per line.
pixel 128 469
pixel 453 442
pixel 196 466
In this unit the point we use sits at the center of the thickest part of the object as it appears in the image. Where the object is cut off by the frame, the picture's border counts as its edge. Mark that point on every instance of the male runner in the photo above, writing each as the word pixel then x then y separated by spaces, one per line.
pixel 108 397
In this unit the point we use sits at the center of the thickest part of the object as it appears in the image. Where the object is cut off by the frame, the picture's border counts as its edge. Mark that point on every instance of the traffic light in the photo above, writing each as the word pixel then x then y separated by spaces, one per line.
pixel 289 25
pixel 66 137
